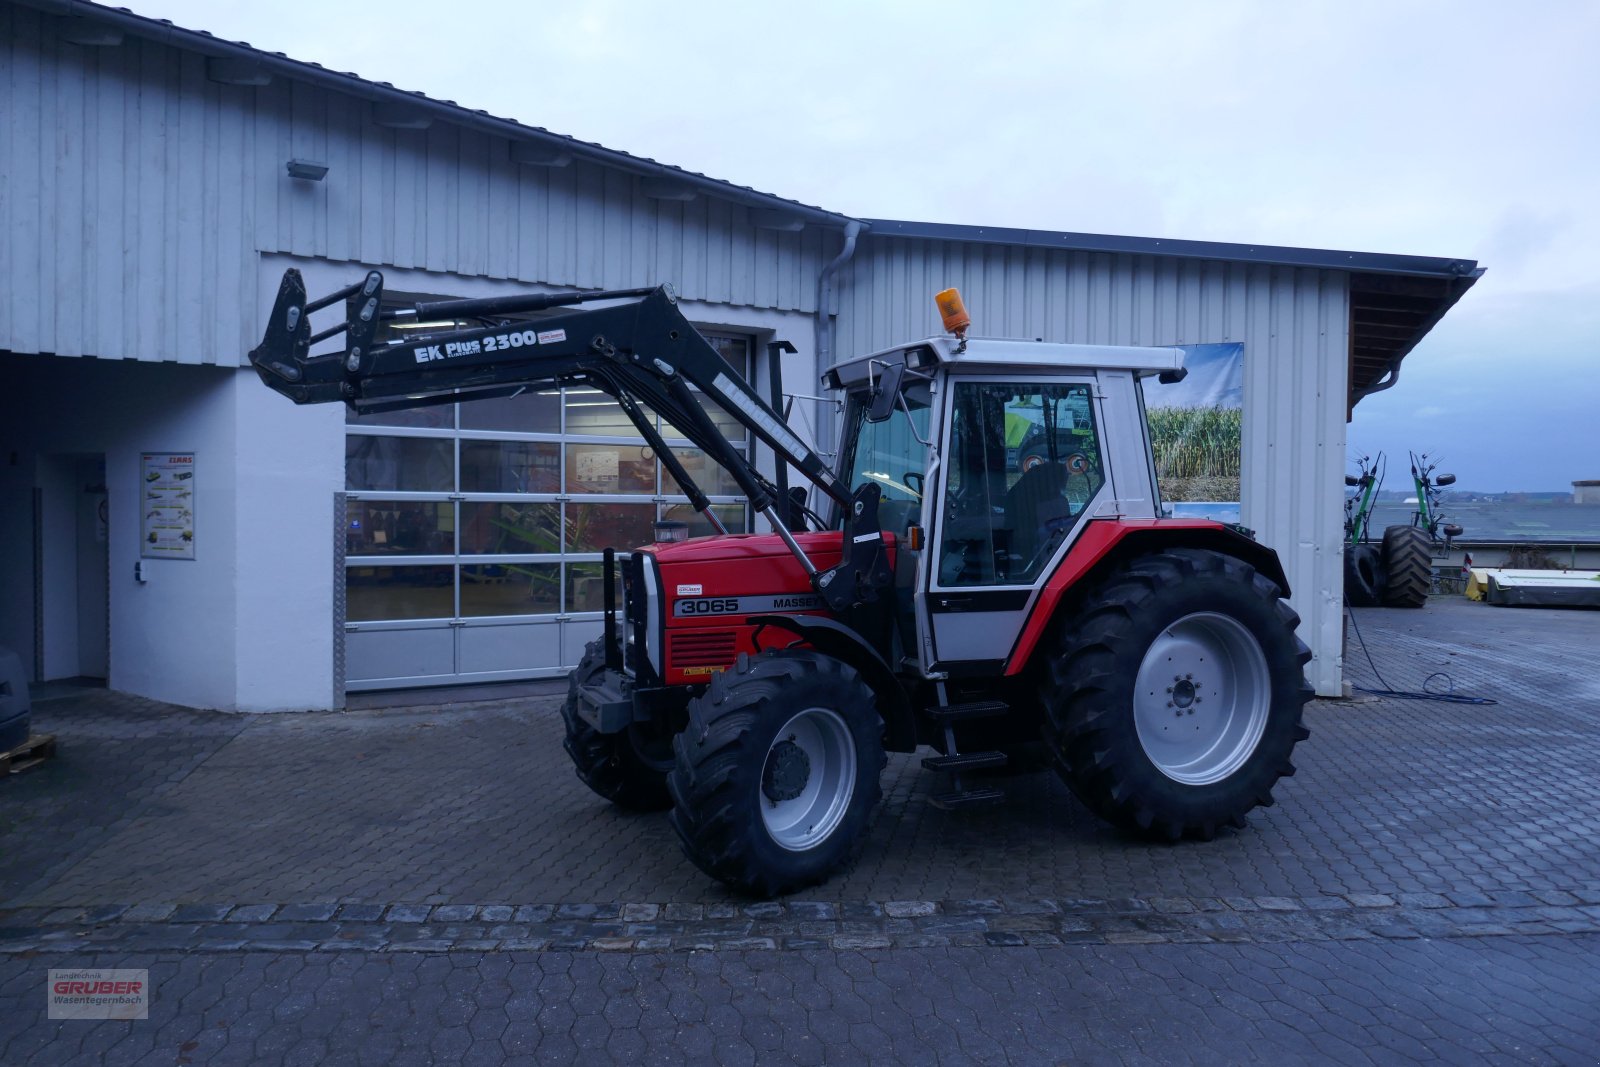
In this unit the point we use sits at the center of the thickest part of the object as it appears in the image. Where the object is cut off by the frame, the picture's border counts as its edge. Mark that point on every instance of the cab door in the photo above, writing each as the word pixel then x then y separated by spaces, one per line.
pixel 1024 465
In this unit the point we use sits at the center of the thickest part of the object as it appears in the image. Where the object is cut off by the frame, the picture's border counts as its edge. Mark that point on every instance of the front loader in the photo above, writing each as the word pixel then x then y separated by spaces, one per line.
pixel 987 568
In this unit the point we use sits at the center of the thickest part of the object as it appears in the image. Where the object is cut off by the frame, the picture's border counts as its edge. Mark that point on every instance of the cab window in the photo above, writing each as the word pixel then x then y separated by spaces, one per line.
pixel 891 455
pixel 1025 462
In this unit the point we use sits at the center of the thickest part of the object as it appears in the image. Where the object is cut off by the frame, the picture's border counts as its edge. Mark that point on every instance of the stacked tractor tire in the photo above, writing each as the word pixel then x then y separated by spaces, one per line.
pixel 1395 573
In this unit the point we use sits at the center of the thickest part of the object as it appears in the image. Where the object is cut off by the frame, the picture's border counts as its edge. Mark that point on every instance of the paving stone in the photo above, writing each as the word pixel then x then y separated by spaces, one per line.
pixel 906 909
pixel 360 913
pixel 407 913
pixel 306 912
pixel 251 913
pixel 454 913
pixel 1371 900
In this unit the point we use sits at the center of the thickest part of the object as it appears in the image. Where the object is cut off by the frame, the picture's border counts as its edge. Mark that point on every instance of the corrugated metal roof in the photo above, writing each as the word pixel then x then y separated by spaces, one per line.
pixel 1276 255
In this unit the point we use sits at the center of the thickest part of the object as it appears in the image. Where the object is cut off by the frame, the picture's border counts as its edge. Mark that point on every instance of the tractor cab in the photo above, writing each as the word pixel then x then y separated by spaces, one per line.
pixel 993 456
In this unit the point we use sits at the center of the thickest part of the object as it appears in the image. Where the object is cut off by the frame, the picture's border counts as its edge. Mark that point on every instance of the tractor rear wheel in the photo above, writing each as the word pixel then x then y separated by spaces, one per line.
pixel 1363 575
pixel 1173 700
pixel 777 771
pixel 1407 565
pixel 625 768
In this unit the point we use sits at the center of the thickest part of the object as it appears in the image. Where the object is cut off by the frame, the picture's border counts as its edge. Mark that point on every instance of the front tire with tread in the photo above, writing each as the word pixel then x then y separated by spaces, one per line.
pixel 610 764
pixel 1091 689
pixel 722 776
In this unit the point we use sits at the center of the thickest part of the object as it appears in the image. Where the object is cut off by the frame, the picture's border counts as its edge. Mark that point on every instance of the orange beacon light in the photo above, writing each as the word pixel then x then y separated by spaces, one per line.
pixel 953 312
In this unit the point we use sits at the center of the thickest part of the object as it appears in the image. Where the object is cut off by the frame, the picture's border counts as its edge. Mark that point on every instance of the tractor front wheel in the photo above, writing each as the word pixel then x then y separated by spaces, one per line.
pixel 626 768
pixel 1174 698
pixel 778 770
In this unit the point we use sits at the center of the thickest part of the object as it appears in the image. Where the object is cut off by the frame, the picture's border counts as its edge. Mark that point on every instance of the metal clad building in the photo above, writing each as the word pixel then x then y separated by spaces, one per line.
pixel 149 214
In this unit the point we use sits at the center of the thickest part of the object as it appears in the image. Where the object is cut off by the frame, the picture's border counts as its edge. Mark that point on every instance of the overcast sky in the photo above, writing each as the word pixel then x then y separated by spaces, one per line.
pixel 1463 129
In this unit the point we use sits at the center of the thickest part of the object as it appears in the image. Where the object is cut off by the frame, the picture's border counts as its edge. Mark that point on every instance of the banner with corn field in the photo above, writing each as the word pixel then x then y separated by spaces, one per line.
pixel 1196 431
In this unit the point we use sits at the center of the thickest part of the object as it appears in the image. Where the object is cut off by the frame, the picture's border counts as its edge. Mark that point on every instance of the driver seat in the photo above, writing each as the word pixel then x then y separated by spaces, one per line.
pixel 1037 510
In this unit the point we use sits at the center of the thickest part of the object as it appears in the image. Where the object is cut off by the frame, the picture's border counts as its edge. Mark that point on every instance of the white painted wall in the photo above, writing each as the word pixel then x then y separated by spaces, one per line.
pixel 290 464
pixel 210 632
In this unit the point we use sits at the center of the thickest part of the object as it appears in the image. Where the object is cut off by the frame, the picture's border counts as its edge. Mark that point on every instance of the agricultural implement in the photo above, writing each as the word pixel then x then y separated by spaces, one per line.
pixel 1398 571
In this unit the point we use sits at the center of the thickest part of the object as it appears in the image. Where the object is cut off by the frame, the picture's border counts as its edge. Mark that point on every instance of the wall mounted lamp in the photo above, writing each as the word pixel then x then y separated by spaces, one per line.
pixel 309 169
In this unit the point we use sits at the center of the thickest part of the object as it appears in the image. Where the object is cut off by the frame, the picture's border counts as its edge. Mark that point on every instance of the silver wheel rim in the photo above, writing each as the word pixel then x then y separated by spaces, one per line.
pixel 803 797
pixel 1201 698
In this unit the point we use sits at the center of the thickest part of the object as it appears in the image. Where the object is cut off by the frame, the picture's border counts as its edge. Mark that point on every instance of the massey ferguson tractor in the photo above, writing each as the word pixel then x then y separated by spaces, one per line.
pixel 986 571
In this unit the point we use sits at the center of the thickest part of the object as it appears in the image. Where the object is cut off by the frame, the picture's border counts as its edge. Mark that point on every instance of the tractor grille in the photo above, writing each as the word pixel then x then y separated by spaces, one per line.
pixel 702 649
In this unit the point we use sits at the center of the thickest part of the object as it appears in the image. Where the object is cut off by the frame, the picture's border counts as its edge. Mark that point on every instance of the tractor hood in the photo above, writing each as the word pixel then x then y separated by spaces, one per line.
pixel 822 546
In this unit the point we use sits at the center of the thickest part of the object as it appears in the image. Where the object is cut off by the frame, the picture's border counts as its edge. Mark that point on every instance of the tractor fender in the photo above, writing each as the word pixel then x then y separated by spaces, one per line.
pixel 1104 542
pixel 834 638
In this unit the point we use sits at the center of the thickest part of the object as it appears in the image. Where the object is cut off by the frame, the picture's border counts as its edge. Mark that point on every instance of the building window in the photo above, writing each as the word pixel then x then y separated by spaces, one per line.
pixel 502 507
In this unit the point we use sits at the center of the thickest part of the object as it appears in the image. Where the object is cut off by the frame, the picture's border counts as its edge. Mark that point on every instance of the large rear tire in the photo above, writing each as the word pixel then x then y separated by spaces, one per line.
pixel 1174 696
pixel 778 771
pixel 1407 566
pixel 626 768
pixel 1363 576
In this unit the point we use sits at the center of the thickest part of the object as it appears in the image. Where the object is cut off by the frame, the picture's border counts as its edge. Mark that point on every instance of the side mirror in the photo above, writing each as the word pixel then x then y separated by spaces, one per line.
pixel 887 394
pixel 1445 479
pixel 1351 479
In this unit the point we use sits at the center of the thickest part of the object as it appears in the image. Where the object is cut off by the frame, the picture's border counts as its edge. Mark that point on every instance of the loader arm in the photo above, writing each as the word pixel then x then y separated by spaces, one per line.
pixel 639 348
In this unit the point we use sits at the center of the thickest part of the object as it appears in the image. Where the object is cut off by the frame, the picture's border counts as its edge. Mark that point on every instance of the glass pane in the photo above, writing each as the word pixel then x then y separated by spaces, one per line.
pixel 589 411
pixel 736 350
pixel 732 516
pixel 374 593
pixel 510 467
pixel 412 527
pixel 586 590
pixel 611 469
pixel 524 413
pixel 707 474
pixel 511 589
pixel 434 417
pixel 594 527
pixel 1025 465
pixel 413 464
pixel 510 528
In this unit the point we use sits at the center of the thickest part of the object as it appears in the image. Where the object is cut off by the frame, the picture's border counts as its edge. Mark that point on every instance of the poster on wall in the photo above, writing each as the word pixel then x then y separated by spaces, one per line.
pixel 1197 433
pixel 166 481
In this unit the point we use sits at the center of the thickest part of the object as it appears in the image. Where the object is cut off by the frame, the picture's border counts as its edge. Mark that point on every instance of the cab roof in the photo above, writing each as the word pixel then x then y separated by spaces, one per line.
pixel 986 353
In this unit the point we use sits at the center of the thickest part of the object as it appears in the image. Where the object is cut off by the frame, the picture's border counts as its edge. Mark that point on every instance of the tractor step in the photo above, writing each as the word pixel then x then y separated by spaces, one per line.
pixel 978 709
pixel 966 798
pixel 964 761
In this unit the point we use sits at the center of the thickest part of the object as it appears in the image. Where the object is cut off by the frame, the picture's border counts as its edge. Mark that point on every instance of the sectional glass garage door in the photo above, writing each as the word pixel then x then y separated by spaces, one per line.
pixel 473 532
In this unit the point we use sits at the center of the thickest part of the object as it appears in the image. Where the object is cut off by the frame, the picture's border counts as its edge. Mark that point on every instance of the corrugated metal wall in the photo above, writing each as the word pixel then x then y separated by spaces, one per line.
pixel 1294 324
pixel 135 194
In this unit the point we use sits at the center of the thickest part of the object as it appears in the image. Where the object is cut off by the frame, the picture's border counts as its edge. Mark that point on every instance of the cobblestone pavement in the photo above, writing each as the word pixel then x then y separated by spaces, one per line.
pixel 335 885
pixel 1510 1001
